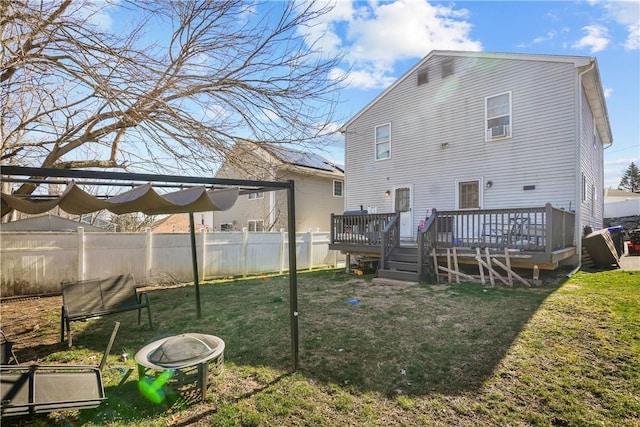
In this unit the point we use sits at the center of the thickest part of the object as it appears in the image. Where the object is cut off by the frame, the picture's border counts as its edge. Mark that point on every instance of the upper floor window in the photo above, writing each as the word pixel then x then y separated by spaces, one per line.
pixel 447 67
pixel 258 195
pixel 498 116
pixel 256 225
pixel 423 76
pixel 337 188
pixel 383 142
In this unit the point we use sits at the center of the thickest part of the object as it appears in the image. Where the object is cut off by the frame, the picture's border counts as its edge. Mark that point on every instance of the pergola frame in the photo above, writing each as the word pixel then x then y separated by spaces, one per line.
pixel 104 178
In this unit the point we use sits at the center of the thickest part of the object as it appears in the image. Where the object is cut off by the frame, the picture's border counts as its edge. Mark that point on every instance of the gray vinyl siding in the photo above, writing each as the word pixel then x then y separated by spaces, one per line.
pixel 591 165
pixel 451 111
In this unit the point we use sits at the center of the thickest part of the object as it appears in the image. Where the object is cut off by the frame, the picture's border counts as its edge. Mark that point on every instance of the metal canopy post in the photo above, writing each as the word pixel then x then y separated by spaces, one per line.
pixel 293 278
pixel 194 260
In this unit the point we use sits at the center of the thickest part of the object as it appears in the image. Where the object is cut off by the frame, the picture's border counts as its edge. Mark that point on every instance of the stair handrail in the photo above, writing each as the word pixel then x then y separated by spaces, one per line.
pixel 426 241
pixel 390 239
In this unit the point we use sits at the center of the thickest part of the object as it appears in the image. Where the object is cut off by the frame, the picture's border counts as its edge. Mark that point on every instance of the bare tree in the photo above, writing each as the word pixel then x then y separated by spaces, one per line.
pixel 171 86
pixel 132 221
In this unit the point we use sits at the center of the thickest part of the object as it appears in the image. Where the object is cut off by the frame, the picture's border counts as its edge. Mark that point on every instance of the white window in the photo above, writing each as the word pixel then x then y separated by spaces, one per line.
pixel 337 188
pixel 423 76
pixel 258 195
pixel 383 142
pixel 256 225
pixel 447 67
pixel 468 195
pixel 498 116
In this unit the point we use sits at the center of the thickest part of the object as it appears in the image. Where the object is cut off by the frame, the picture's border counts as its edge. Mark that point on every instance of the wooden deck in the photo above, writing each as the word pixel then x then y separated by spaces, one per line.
pixel 542 236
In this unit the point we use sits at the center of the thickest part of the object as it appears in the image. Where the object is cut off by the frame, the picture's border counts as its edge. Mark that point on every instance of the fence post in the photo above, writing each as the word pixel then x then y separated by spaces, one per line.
pixel 148 256
pixel 310 232
pixel 283 249
pixel 245 237
pixel 204 252
pixel 81 271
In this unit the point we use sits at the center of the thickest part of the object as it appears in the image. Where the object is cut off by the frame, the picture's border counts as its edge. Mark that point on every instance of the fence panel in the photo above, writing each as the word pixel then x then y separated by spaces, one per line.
pixel 35 263
pixel 31 261
pixel 109 254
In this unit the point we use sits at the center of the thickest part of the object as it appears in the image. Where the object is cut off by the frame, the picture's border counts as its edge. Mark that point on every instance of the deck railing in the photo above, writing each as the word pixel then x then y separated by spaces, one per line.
pixel 390 238
pixel 532 229
pixel 543 229
pixel 359 229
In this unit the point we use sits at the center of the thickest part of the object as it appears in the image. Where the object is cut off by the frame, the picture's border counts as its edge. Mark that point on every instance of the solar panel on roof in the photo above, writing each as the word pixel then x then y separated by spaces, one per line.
pixel 310 160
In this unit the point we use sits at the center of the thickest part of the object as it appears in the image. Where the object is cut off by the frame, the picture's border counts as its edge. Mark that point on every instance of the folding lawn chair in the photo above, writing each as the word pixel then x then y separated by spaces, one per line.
pixel 35 389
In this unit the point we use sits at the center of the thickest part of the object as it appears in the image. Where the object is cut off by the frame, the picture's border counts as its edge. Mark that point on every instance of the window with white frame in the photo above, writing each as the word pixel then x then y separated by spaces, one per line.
pixel 258 195
pixel 383 142
pixel 256 225
pixel 337 187
pixel 226 226
pixel 469 195
pixel 498 116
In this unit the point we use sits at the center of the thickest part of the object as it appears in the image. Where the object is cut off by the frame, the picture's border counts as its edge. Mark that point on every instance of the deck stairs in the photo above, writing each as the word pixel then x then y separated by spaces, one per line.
pixel 402 264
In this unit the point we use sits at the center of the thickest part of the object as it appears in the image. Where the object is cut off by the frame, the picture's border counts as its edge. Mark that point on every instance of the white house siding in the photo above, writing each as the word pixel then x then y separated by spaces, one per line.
pixel 591 165
pixel 314 201
pixel 244 209
pixel 451 111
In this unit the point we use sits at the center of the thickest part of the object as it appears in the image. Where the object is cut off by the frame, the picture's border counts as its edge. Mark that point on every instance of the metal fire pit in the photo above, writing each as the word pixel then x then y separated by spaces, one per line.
pixel 181 352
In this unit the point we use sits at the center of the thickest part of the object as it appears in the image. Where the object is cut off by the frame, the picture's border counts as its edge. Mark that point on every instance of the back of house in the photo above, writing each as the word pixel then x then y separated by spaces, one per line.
pixel 471 130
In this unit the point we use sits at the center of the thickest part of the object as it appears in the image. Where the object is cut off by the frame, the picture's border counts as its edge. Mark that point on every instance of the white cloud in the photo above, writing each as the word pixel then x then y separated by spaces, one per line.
pixel 375 36
pixel 633 40
pixel 596 40
pixel 95 13
pixel 607 92
pixel 627 14
pixel 550 35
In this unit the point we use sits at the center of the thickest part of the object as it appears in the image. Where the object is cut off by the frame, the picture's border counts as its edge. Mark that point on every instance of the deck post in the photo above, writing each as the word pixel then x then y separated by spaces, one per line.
pixel 548 230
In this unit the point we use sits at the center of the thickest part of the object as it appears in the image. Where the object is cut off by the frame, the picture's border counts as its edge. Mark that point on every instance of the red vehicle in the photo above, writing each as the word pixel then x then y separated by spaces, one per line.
pixel 633 245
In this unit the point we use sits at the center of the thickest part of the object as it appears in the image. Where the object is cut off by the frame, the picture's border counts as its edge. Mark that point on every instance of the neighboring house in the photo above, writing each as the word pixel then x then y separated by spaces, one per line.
pixel 179 223
pixel 477 131
pixel 319 189
pixel 621 203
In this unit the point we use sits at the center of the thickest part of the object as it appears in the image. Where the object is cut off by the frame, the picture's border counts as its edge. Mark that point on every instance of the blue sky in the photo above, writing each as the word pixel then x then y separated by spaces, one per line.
pixel 382 40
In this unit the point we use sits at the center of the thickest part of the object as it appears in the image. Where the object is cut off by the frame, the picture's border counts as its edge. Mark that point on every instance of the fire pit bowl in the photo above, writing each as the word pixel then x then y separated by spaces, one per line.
pixel 179 352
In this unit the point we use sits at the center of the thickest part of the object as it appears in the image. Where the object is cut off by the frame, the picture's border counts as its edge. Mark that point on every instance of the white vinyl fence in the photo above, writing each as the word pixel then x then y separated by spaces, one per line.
pixel 622 208
pixel 35 263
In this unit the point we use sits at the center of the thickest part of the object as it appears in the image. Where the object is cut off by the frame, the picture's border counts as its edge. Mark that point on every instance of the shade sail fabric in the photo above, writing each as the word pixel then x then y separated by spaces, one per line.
pixel 142 198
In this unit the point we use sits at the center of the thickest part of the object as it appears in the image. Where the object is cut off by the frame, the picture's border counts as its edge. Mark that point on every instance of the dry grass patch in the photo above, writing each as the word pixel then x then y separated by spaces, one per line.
pixel 402 355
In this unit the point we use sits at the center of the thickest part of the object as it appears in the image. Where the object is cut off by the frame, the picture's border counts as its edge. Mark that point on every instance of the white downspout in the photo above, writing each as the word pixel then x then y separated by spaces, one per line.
pixel 578 228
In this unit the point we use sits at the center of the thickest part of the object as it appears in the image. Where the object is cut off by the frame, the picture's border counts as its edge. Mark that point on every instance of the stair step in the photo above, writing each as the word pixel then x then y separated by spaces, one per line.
pixel 404 250
pixel 407 276
pixel 404 257
pixel 403 266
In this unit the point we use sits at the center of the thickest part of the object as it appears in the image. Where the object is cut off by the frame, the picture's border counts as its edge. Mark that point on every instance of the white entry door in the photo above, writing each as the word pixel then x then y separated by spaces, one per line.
pixel 403 203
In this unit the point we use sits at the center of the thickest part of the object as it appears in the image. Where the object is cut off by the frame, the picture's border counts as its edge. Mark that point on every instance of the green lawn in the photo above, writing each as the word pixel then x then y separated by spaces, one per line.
pixel 403 355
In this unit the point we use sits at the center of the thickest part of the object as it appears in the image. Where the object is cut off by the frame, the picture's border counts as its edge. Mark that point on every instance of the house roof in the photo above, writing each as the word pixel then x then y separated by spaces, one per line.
pixel 588 65
pixel 305 159
pixel 612 192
